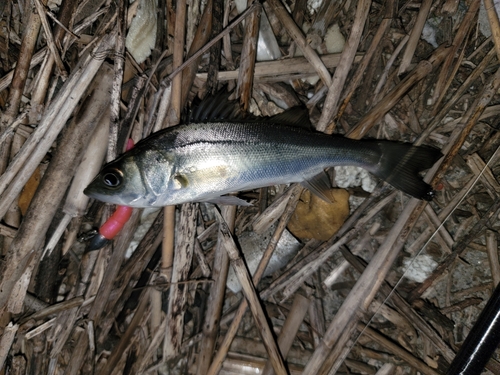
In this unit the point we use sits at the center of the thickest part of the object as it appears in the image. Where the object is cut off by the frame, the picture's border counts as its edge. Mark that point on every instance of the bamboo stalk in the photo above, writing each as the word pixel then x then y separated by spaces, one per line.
pixel 383 78
pixel 42 88
pixel 272 213
pixel 478 166
pixel 226 41
pixel 21 71
pixel 173 119
pixel 473 114
pixel 180 27
pixel 215 51
pixel 435 219
pixel 130 274
pixel 316 312
pixel 105 286
pixel 153 346
pixel 293 278
pixel 470 119
pixel 362 293
pixel 406 310
pixel 54 309
pixel 207 46
pixel 37 58
pixel 168 242
pixel 436 120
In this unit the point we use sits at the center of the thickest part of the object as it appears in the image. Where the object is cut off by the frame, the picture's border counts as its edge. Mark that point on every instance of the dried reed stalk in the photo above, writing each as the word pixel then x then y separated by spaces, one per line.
pixel 70 336
pixel 340 76
pixel 290 328
pixel 181 266
pixel 300 40
pixel 252 298
pixel 231 333
pixel 35 150
pixel 244 86
pixel 416 31
pixel 216 298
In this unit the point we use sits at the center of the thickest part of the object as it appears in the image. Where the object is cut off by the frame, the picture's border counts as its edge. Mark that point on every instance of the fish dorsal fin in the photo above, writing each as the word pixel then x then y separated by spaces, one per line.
pixel 296 116
pixel 320 186
pixel 215 108
pixel 218 107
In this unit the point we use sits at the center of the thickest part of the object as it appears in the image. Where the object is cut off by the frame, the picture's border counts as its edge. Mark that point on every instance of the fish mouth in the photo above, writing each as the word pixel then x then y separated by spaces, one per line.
pixel 132 200
pixel 87 191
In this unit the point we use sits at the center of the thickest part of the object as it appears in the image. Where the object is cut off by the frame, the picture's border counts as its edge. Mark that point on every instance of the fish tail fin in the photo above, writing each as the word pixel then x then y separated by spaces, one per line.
pixel 400 164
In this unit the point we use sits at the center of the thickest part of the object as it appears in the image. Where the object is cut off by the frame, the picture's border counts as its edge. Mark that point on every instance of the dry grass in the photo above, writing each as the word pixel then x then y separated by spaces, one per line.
pixel 341 305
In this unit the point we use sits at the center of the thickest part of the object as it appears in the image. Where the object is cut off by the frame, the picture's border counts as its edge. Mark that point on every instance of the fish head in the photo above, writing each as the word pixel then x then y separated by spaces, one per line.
pixel 120 182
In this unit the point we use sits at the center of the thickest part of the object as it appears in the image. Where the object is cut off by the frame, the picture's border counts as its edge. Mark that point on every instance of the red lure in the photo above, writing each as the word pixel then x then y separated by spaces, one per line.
pixel 115 223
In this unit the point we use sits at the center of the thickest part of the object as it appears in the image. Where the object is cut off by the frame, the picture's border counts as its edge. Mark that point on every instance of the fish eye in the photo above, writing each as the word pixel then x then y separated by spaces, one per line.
pixel 112 178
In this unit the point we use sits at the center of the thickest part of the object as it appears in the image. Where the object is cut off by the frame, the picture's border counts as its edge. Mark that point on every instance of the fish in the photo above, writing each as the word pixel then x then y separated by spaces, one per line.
pixel 218 152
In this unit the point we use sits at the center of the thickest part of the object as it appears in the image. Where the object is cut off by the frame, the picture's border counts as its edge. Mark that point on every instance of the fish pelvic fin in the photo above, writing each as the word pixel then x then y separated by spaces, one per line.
pixel 320 186
pixel 400 164
pixel 229 200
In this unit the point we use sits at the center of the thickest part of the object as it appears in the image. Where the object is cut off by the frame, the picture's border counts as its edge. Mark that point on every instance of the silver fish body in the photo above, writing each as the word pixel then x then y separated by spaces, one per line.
pixel 202 162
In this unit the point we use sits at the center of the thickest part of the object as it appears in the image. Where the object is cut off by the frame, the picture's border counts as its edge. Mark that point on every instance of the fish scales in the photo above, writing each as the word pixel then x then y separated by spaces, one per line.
pixel 260 155
pixel 201 162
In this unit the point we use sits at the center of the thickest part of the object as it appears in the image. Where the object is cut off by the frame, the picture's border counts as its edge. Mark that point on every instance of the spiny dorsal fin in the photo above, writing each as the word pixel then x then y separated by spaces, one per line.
pixel 214 108
pixel 296 116
pixel 218 107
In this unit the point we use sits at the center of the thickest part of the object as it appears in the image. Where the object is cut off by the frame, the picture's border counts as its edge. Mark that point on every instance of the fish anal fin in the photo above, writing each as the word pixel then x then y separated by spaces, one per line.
pixel 319 185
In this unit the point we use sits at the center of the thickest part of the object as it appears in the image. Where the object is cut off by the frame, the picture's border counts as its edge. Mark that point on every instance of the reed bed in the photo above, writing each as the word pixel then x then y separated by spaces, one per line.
pixel 423 72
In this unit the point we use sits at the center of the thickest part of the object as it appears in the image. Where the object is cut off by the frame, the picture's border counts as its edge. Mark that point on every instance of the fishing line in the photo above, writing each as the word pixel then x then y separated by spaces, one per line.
pixel 420 251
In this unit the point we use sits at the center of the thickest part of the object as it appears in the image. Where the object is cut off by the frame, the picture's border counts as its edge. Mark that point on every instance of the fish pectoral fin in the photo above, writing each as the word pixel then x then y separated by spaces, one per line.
pixel 320 186
pixel 229 200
